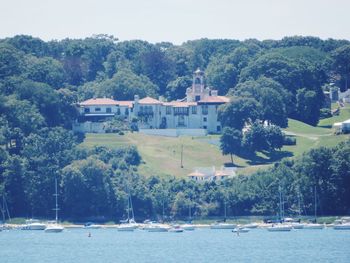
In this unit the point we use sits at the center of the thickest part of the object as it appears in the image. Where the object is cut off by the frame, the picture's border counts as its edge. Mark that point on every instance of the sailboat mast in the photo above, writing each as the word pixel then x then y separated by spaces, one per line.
pixel 315 204
pixel 56 202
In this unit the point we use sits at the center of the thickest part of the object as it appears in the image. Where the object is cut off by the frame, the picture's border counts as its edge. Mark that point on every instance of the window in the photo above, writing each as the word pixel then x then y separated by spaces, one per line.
pixel 118 111
pixel 205 119
pixel 97 109
pixel 198 98
pixel 168 110
pixel 126 111
pixel 181 120
pixel 205 109
pixel 194 109
pixel 108 110
pixel 87 110
pixel 181 111
pixel 204 127
pixel 218 128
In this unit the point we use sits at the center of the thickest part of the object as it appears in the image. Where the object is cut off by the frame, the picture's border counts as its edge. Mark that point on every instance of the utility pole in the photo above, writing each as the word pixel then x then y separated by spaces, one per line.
pixel 182 150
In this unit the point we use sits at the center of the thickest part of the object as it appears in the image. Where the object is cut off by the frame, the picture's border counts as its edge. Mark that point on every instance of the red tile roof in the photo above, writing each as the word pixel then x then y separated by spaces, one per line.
pixel 98 101
pixel 125 103
pixel 196 174
pixel 149 100
pixel 179 104
pixel 215 99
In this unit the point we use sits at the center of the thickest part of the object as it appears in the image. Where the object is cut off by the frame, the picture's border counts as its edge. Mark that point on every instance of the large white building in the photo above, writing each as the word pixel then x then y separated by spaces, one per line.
pixel 198 110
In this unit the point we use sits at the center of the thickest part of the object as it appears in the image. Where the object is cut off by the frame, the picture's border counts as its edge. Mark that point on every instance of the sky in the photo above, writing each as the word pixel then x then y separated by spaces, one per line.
pixel 175 21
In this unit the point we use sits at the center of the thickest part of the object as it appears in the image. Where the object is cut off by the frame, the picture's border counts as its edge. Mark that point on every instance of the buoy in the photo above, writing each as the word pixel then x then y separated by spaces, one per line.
pixel 89 235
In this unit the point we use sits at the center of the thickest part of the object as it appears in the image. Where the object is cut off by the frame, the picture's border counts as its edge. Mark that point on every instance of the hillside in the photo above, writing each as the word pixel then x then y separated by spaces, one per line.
pixel 162 155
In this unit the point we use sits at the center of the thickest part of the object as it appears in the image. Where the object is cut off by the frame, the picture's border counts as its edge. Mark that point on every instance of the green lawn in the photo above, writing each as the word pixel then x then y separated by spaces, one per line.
pixel 162 155
pixel 344 115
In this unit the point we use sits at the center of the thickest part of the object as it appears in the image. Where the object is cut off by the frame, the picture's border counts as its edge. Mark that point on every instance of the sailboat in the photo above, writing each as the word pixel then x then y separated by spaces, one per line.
pixel 189 226
pixel 4 211
pixel 223 225
pixel 129 224
pixel 280 227
pixel 54 227
pixel 314 225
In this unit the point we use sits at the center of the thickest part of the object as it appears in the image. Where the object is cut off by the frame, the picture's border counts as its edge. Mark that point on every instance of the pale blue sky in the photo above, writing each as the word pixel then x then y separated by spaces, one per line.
pixel 175 20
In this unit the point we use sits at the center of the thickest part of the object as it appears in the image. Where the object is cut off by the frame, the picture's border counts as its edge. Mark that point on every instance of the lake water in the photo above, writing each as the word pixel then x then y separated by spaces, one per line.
pixel 201 245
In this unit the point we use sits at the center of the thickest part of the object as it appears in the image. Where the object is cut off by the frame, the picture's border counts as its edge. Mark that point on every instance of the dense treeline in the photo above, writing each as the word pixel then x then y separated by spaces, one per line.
pixel 40 82
pixel 97 184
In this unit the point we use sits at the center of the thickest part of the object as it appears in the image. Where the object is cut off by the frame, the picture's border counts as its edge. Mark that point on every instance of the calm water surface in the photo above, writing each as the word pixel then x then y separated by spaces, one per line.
pixel 201 245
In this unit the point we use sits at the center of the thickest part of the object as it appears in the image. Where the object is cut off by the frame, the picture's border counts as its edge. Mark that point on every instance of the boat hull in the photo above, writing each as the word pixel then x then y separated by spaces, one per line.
pixel 54 229
pixel 223 226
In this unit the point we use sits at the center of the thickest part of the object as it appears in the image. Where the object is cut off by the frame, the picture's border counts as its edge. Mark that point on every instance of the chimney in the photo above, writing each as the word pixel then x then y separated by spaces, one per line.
pixel 136 98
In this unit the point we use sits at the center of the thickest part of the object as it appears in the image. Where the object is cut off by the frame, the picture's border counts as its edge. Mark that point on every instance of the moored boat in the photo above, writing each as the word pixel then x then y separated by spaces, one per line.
pixel 280 228
pixel 313 226
pixel 176 229
pixel 344 226
pixel 33 224
pixel 55 227
pixel 223 226
pixel 240 230
pixel 188 227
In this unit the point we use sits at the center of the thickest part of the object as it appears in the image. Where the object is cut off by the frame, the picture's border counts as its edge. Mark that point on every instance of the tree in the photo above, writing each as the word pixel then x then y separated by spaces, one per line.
pixel 221 76
pixel 274 137
pixel 10 61
pixel 125 84
pixel 255 139
pixel 308 107
pixel 176 89
pixel 238 112
pixel 230 141
pixel 341 64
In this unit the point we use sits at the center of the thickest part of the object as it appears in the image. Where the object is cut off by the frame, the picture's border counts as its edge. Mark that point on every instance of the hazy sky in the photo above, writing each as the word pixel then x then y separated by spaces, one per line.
pixel 175 20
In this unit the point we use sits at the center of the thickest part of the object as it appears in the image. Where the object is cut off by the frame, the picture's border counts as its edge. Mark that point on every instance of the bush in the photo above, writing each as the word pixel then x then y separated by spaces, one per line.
pixel 325 113
pixel 289 140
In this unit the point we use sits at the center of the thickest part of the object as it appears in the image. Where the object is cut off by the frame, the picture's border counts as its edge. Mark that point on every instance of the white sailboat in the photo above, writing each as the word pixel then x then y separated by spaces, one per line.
pixel 314 225
pixel 54 227
pixel 33 224
pixel 223 225
pixel 129 224
pixel 280 227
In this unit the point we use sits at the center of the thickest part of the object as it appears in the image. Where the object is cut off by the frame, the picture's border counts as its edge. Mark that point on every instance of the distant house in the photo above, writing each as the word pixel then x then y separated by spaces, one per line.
pixel 202 174
pixel 198 110
pixel 342 127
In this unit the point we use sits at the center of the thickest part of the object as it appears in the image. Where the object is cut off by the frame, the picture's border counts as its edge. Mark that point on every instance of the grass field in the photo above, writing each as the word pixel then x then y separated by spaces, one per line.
pixel 343 115
pixel 162 155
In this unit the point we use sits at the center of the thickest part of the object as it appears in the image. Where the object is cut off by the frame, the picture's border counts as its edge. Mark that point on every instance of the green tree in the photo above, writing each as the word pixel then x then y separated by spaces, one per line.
pixel 341 64
pixel 238 112
pixel 230 141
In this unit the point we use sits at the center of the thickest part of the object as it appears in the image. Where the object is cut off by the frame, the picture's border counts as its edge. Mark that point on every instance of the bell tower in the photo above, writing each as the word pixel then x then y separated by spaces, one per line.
pixel 198 85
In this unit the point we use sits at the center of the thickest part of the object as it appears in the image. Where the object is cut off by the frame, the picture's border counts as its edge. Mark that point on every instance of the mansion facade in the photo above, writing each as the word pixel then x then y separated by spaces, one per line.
pixel 198 110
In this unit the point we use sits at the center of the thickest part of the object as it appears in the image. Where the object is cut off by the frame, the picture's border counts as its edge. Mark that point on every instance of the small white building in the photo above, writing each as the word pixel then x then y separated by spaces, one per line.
pixel 202 174
pixel 198 110
pixel 342 127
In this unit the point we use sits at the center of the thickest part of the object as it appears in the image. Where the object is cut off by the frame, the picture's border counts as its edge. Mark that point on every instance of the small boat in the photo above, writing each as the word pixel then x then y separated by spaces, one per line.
pixel 176 229
pixel 127 227
pixel 251 225
pixel 313 226
pixel 279 228
pixel 298 225
pixel 344 226
pixel 33 224
pixel 91 225
pixel 223 226
pixel 54 227
pixel 157 228
pixel 188 227
pixel 240 230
